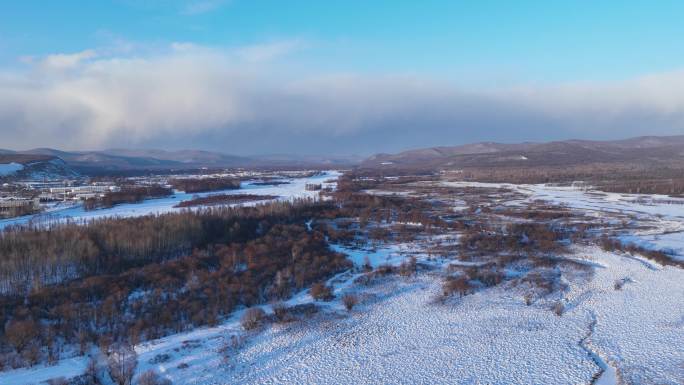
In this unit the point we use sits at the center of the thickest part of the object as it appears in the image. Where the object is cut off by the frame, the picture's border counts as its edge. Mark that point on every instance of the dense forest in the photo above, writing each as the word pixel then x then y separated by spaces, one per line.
pixel 39 256
pixel 128 194
pixel 671 187
pixel 197 185
pixel 140 278
pixel 223 199
pixel 611 178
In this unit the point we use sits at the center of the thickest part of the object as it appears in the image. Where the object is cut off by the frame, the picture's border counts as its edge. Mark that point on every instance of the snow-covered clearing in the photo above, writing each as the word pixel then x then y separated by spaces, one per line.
pixel 294 189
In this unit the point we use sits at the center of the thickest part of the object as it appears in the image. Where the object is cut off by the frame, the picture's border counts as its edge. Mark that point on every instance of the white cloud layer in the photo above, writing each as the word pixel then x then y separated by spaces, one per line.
pixel 242 101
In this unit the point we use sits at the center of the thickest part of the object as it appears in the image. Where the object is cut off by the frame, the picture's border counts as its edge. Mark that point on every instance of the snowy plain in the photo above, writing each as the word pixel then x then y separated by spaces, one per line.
pixel 292 190
pixel 399 334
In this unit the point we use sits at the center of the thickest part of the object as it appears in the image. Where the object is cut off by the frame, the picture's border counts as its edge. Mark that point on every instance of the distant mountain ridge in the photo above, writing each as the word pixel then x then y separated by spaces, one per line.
pixel 652 151
pixel 122 160
pixel 34 166
pixel 643 150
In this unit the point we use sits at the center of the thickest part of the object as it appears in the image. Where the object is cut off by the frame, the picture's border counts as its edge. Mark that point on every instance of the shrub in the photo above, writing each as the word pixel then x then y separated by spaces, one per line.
pixel 383 270
pixel 281 312
pixel 92 372
pixel 159 359
pixel 367 264
pixel 252 318
pixel 558 308
pixel 408 268
pixel 58 381
pixel 490 277
pixel 122 361
pixel 319 291
pixel 349 301
pixel 21 333
pixel 459 285
pixel 303 310
pixel 151 377
pixel 231 346
pixel 529 299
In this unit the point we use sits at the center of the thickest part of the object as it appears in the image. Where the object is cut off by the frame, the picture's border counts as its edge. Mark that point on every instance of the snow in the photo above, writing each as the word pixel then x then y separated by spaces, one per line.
pixel 406 338
pixel 670 243
pixel 640 328
pixel 10 168
pixel 662 215
pixel 492 337
pixel 388 255
pixel 67 368
pixel 400 334
pixel 294 189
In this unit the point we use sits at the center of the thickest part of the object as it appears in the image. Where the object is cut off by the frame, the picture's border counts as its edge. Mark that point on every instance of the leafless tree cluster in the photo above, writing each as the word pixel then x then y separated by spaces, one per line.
pixel 241 258
pixel 196 185
pixel 130 194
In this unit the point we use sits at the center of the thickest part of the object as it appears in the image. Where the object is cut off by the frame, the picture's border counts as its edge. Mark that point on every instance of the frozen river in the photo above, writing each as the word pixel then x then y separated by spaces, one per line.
pixel 292 190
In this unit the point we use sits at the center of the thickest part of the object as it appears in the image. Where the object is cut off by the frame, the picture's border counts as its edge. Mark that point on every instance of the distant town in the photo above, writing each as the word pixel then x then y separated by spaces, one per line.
pixel 27 197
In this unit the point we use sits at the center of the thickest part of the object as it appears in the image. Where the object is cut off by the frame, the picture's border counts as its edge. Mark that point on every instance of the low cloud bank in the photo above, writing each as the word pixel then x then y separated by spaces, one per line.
pixel 246 100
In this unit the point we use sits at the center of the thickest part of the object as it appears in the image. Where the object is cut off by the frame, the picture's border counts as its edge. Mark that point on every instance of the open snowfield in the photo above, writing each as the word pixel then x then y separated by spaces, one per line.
pixel 292 190
pixel 402 337
pixel 401 334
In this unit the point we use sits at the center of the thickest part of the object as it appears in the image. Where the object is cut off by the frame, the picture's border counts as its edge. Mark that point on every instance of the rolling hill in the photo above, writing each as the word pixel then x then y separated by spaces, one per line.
pixel 639 152
pixel 115 161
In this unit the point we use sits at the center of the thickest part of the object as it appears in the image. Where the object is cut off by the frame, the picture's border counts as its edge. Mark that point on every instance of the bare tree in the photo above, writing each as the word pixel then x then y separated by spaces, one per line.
pixel 151 377
pixel 459 285
pixel 349 301
pixel 122 361
pixel 252 318
pixel 320 291
pixel 21 333
pixel 559 308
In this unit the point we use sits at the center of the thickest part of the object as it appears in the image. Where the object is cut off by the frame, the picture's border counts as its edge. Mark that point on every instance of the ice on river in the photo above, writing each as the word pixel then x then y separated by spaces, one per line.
pixel 292 190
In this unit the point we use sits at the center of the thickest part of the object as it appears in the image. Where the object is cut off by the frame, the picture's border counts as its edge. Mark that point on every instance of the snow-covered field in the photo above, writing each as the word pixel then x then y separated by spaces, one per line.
pixel 401 336
pixel 292 190
pixel 400 333
pixel 662 217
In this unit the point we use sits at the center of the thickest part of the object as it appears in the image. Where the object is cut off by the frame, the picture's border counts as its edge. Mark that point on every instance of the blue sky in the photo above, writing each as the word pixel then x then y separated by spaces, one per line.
pixel 427 50
pixel 513 40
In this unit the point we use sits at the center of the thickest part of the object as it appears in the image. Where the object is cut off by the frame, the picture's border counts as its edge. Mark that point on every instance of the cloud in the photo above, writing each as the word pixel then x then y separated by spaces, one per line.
pixel 203 97
pixel 61 61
